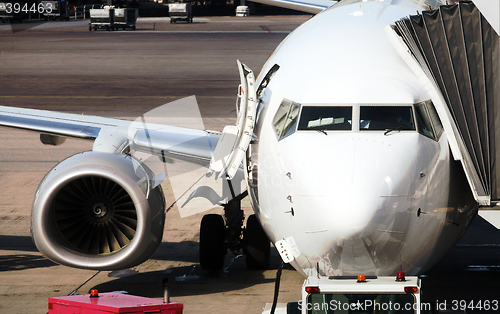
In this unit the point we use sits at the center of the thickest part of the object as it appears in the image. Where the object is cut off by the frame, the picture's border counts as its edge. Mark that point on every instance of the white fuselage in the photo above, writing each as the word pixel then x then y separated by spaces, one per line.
pixel 353 201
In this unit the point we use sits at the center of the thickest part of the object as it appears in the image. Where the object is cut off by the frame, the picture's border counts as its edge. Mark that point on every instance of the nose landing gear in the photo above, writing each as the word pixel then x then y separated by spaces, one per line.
pixel 219 234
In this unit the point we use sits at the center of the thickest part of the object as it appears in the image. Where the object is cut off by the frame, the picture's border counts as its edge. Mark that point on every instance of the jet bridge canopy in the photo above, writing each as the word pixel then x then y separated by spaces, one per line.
pixel 455 52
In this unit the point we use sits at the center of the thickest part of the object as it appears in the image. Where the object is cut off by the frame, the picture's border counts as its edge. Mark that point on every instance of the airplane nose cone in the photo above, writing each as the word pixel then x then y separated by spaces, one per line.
pixel 361 177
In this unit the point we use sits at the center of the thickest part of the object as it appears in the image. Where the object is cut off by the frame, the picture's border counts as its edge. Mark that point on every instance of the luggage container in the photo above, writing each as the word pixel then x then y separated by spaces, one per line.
pixel 180 12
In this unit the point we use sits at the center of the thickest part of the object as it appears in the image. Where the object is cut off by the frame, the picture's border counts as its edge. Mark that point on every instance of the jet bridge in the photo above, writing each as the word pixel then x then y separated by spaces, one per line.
pixel 455 52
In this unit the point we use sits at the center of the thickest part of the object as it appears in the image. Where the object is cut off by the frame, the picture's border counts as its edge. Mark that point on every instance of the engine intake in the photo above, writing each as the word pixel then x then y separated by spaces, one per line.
pixel 98 211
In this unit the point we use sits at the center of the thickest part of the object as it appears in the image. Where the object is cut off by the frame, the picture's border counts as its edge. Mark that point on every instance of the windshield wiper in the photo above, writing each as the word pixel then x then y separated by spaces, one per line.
pixel 387 131
pixel 322 131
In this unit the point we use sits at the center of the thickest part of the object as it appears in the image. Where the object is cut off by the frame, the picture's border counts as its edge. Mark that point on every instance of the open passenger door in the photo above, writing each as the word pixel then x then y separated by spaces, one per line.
pixel 235 139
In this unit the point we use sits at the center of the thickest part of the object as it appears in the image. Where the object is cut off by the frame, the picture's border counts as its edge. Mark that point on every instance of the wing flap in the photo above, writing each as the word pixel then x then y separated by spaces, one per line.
pixel 196 147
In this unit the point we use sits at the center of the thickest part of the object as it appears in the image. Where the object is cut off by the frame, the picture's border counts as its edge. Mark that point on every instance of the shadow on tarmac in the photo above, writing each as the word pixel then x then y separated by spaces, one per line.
pixel 187 281
pixel 23 261
pixel 17 243
pixel 191 280
pixel 469 272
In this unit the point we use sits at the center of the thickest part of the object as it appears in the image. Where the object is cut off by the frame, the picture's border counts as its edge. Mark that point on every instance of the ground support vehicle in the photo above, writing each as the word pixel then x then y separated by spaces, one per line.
pixel 180 12
pixel 55 10
pixel 4 17
pixel 361 294
pixel 9 17
pixel 111 302
pixel 242 10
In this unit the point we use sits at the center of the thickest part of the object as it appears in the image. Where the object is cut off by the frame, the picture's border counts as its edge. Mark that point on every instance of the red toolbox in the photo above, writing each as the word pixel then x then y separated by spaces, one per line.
pixel 112 303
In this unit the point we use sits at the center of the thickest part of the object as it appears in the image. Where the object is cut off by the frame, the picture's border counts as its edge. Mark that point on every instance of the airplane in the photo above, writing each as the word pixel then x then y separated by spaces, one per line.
pixel 353 156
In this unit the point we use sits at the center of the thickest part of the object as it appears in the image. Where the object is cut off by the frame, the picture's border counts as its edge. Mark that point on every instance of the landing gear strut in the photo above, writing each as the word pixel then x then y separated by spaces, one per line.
pixel 219 234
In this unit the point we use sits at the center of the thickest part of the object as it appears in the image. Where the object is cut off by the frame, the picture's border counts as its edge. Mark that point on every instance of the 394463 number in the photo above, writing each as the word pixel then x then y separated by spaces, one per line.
pixel 486 305
pixel 17 8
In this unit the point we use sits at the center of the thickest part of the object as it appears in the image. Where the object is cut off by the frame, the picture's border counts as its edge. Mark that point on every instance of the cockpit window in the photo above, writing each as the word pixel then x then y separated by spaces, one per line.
pixel 326 118
pixel 428 120
pixel 291 121
pixel 424 123
pixel 383 118
pixel 433 116
pixel 285 120
pixel 280 117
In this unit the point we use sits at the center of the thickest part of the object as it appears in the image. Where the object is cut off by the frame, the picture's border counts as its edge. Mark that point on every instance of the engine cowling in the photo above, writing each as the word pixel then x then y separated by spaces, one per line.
pixel 98 211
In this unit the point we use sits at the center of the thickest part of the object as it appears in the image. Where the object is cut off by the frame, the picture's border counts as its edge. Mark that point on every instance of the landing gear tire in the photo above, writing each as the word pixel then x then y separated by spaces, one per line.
pixel 257 246
pixel 212 246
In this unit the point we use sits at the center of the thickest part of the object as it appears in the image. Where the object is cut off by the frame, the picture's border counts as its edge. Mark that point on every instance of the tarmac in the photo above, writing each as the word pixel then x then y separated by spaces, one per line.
pixel 62 66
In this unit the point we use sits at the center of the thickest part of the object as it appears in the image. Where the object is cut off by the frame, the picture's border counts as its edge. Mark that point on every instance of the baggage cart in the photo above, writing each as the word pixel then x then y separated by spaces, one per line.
pixel 102 18
pixel 125 18
pixel 180 12
pixel 112 18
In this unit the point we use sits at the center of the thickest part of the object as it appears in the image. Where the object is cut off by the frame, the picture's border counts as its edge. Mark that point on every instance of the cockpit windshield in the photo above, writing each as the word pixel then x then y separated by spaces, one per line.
pixel 326 118
pixel 380 118
pixel 292 117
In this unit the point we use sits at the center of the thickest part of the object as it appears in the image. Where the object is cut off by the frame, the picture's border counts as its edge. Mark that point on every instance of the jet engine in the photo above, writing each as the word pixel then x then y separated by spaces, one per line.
pixel 98 211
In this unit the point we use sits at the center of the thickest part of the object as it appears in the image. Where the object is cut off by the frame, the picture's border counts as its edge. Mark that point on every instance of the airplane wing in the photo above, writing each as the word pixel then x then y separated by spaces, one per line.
pixel 150 137
pixel 149 133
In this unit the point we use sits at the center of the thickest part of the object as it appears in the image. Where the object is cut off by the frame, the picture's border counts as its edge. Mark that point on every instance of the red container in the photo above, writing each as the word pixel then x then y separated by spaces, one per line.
pixel 112 303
